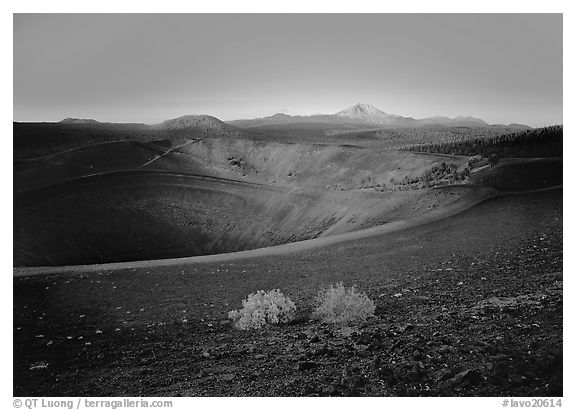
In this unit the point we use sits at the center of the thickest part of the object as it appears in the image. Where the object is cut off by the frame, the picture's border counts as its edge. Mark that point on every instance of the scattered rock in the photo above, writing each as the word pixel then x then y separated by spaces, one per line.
pixel 39 366
pixel 323 350
pixel 328 333
pixel 443 374
pixel 225 324
pixel 516 379
pixel 406 328
pixel 227 376
pixel 395 345
pixel 502 303
pixel 331 390
pixel 347 331
pixel 444 349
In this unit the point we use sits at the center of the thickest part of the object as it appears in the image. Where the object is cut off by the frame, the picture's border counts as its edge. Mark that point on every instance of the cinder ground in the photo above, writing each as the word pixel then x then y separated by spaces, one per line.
pixel 467 278
pixel 468 305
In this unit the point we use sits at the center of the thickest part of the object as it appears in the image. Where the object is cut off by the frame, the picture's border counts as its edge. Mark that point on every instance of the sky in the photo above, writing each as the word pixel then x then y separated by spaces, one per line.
pixel 503 68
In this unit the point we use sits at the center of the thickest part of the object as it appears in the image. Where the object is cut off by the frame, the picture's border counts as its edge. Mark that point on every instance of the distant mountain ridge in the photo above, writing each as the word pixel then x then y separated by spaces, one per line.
pixel 327 120
pixel 363 115
pixel 459 121
pixel 79 121
pixel 360 116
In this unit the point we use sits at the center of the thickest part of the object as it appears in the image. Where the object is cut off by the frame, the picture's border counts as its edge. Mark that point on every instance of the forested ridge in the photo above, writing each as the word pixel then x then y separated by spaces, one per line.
pixel 539 142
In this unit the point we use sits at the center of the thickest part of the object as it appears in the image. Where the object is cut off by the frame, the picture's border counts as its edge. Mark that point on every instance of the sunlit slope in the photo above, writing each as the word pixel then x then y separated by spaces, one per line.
pixel 302 165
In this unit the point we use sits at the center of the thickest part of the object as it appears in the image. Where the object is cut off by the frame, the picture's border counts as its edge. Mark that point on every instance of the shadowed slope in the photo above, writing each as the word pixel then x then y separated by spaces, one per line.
pixel 125 201
pixel 139 215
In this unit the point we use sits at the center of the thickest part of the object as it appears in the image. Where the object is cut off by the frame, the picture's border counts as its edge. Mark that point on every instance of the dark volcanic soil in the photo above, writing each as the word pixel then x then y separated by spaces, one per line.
pixel 129 201
pixel 470 305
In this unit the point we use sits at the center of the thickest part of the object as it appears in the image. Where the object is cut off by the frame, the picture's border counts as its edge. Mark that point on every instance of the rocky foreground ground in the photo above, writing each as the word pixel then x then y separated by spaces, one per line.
pixel 469 306
pixel 427 339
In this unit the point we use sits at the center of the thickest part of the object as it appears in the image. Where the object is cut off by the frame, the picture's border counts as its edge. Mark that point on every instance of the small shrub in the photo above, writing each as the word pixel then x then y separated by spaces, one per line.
pixel 263 308
pixel 340 305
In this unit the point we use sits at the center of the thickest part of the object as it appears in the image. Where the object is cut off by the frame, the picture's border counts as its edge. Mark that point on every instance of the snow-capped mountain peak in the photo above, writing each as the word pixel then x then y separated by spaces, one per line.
pixel 371 114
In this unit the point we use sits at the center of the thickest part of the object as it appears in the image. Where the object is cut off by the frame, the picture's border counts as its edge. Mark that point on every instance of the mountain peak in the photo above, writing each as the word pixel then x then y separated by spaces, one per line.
pixel 279 115
pixel 369 113
pixel 365 106
pixel 361 109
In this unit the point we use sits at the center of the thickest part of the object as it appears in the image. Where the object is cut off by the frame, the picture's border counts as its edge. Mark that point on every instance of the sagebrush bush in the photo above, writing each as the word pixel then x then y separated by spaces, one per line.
pixel 263 308
pixel 340 305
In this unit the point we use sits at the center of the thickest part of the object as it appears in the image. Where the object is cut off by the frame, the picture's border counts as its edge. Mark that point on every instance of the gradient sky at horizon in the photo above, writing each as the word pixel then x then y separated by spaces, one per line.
pixel 503 68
